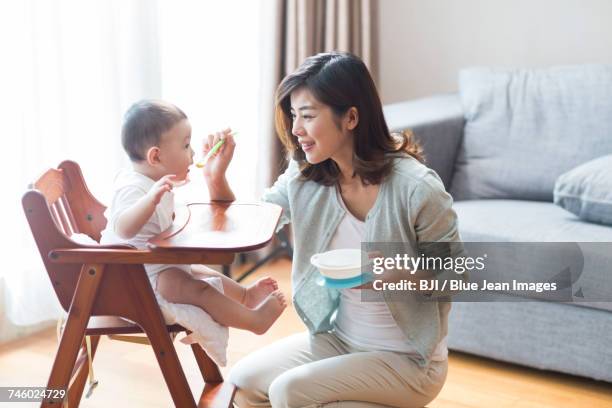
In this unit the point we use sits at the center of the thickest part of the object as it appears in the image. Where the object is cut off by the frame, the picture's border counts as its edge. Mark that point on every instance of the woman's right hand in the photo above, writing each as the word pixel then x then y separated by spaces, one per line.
pixel 217 165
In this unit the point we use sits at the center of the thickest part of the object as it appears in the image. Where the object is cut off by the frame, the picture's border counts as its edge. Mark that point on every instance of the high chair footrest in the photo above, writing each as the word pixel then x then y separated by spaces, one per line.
pixel 100 325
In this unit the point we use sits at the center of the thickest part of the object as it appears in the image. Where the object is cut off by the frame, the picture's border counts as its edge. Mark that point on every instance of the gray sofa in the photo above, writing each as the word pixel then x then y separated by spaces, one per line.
pixel 499 145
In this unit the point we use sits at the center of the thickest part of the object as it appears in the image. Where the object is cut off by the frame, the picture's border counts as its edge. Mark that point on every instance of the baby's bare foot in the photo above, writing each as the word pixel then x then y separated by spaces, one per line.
pixel 268 311
pixel 258 291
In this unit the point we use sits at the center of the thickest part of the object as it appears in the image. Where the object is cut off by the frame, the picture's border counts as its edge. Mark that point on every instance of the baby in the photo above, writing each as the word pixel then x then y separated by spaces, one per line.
pixel 157 138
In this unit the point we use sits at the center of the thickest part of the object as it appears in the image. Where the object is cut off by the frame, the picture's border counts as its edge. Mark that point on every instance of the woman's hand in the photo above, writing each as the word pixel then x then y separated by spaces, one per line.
pixel 369 284
pixel 217 165
pixel 215 168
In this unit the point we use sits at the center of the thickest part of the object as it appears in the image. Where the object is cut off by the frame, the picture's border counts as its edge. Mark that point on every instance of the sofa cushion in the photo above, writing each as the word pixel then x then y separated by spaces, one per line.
pixel 524 128
pixel 544 335
pixel 587 190
pixel 515 221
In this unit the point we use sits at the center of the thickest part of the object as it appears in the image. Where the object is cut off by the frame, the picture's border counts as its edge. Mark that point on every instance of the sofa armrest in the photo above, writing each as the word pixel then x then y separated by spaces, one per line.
pixel 437 123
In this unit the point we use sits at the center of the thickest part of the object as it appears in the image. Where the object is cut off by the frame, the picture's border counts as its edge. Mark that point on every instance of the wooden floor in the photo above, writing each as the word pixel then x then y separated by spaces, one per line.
pixel 131 378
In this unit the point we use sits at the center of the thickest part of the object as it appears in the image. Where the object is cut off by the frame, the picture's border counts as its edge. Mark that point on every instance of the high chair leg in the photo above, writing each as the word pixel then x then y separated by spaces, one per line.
pixel 210 371
pixel 155 329
pixel 74 331
pixel 169 364
pixel 77 386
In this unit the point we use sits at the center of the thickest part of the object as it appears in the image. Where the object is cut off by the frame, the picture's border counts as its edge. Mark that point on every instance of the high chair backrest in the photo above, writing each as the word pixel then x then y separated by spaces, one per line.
pixel 73 207
pixel 56 206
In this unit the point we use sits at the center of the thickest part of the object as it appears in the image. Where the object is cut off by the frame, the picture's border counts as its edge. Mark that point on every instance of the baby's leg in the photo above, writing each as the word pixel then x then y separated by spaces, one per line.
pixel 177 286
pixel 231 288
pixel 251 296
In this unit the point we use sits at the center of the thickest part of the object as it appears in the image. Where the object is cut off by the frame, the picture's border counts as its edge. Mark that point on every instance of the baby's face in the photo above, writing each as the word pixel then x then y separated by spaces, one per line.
pixel 175 152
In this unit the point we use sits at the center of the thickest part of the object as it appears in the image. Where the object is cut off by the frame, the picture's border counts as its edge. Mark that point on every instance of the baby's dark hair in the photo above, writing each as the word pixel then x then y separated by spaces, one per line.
pixel 144 123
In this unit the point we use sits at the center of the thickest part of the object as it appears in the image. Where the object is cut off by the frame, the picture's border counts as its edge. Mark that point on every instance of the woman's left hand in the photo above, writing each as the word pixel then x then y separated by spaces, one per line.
pixel 369 285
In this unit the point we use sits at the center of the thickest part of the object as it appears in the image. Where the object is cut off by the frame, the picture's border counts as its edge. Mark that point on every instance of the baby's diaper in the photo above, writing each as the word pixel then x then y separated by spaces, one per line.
pixel 205 331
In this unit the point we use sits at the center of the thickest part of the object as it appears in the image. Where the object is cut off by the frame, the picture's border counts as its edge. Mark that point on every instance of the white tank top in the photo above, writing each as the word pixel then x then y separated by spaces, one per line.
pixel 367 325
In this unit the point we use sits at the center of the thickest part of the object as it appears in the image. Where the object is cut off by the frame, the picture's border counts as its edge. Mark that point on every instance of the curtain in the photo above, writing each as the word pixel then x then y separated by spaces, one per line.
pixel 294 30
pixel 70 70
pixel 210 69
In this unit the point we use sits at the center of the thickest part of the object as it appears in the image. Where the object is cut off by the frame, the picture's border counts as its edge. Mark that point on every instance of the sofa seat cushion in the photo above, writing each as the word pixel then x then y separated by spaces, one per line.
pixel 543 335
pixel 516 221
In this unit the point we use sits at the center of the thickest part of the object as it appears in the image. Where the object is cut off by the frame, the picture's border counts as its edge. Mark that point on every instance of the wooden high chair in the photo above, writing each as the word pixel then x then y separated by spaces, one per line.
pixel 98 284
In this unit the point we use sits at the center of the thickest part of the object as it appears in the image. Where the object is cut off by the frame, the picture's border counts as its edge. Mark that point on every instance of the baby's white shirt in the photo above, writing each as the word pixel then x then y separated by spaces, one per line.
pixel 129 187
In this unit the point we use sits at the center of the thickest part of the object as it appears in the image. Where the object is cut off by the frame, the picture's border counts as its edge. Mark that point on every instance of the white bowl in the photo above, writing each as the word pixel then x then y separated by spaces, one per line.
pixel 339 263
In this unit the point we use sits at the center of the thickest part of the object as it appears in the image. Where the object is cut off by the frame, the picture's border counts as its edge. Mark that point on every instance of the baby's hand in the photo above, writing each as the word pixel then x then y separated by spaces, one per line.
pixel 217 164
pixel 161 187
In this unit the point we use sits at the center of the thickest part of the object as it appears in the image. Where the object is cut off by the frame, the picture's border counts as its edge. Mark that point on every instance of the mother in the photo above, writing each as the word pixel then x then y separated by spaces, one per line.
pixel 349 181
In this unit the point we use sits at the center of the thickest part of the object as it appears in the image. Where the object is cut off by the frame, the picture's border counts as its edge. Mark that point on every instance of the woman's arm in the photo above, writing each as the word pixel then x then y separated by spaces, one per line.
pixel 219 189
pixel 279 193
pixel 214 171
pixel 435 224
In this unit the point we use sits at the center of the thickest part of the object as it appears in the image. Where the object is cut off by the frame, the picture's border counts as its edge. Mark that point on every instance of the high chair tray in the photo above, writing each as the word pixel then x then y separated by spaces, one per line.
pixel 218 226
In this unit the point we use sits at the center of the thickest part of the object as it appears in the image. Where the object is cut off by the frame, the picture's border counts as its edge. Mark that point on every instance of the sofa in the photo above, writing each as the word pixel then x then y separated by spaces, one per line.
pixel 500 145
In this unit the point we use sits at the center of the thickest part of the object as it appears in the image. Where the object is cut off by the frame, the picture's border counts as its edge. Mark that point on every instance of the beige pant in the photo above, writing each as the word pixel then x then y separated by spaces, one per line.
pixel 321 370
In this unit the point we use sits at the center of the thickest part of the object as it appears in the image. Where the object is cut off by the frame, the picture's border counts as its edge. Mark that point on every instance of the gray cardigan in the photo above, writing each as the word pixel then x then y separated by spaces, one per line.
pixel 412 207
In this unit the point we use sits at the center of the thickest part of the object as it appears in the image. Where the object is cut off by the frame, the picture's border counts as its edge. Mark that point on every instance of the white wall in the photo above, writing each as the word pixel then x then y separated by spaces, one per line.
pixel 423 43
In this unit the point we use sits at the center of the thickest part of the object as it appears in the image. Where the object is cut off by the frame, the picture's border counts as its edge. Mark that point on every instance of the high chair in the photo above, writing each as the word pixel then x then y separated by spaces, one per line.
pixel 98 285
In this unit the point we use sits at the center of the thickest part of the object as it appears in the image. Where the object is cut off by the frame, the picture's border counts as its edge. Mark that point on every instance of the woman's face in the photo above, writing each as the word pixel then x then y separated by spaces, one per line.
pixel 320 134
